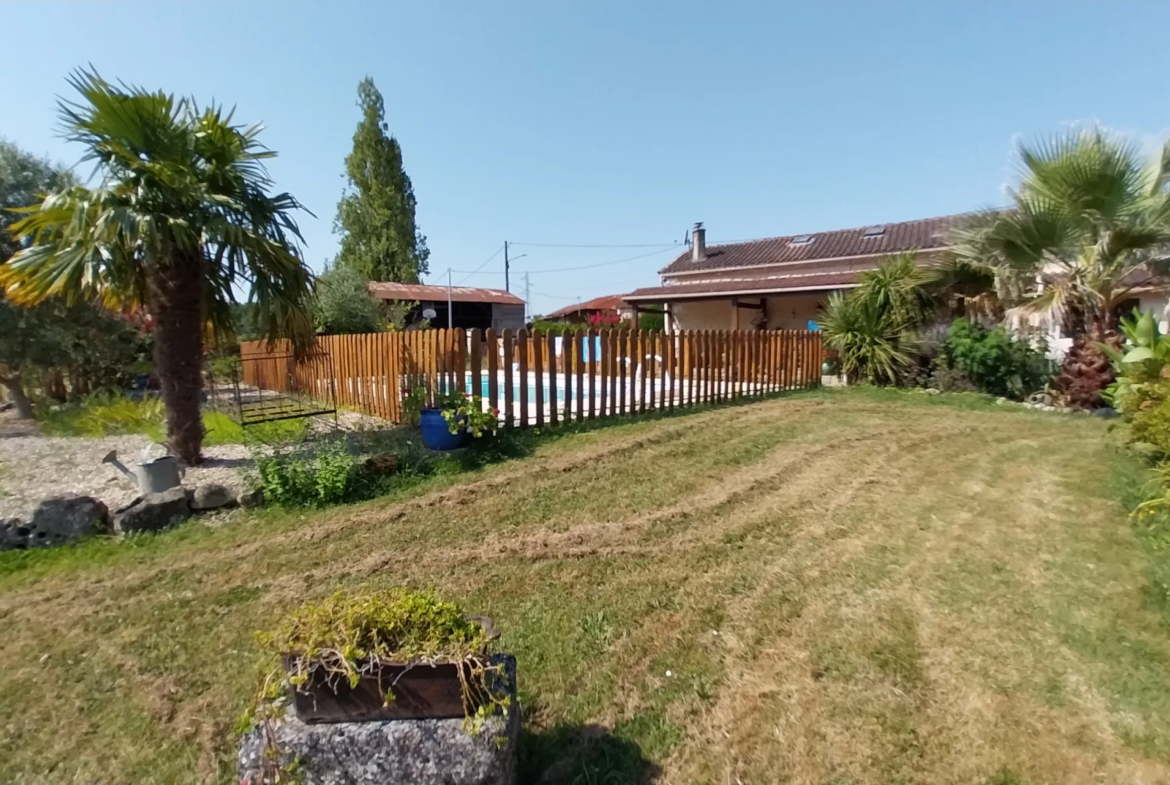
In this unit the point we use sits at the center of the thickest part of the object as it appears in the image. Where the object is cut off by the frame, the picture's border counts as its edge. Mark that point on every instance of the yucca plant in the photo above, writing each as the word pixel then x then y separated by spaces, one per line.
pixel 868 326
pixel 866 338
pixel 181 215
pixel 899 288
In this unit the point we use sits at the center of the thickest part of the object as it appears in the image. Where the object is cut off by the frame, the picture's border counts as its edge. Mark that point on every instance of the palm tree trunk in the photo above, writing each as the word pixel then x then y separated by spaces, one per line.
pixel 16 394
pixel 175 298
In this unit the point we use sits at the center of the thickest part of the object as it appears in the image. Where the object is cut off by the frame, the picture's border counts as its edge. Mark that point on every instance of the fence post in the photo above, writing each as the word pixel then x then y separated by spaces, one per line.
pixel 553 399
pixel 522 361
pixel 491 348
pixel 579 365
pixel 538 377
pixel 507 341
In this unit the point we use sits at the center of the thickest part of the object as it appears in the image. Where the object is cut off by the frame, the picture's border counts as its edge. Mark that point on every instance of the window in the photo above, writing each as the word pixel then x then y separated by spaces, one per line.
pixel 801 239
pixel 874 231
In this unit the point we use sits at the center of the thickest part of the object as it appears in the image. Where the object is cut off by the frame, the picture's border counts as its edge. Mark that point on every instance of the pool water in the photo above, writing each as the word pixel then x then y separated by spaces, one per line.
pixel 522 387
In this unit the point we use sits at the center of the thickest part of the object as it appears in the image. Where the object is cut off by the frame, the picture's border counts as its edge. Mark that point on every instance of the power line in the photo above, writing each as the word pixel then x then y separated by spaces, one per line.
pixel 600 245
pixel 477 269
pixel 602 264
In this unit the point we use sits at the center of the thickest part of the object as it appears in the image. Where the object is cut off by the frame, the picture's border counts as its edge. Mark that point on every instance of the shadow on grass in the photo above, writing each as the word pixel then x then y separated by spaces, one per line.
pixel 582 755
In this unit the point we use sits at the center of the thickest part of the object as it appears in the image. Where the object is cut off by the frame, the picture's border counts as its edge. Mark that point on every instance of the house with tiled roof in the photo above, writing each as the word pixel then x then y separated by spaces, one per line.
pixel 778 282
pixel 611 306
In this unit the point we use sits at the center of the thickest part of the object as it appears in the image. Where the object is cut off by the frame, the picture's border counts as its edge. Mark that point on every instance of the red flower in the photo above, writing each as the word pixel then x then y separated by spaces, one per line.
pixel 496 412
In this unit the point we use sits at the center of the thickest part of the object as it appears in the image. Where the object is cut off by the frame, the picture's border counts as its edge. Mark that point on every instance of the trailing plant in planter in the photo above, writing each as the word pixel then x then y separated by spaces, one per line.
pixel 350 648
pixel 469 416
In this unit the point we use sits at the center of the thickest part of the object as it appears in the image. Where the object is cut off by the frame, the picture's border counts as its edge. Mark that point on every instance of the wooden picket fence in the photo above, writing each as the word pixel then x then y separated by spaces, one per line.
pixel 538 379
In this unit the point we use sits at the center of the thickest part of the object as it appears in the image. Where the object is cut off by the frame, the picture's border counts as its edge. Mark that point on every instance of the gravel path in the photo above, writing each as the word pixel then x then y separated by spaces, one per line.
pixel 34 467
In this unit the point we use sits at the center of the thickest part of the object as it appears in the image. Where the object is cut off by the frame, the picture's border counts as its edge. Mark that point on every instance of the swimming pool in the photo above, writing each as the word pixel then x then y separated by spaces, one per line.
pixel 553 389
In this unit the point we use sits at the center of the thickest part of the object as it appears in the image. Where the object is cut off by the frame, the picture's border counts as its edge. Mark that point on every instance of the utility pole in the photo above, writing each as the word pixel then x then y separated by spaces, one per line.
pixel 506 287
pixel 450 315
pixel 527 295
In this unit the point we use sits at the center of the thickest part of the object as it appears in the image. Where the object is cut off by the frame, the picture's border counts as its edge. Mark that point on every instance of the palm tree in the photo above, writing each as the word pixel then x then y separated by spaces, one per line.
pixel 1086 222
pixel 180 216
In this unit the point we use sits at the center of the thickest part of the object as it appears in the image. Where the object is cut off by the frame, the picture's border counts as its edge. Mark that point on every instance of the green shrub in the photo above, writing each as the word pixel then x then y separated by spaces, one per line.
pixel 343 304
pixel 1147 408
pixel 104 415
pixel 310 475
pixel 994 361
pixel 557 328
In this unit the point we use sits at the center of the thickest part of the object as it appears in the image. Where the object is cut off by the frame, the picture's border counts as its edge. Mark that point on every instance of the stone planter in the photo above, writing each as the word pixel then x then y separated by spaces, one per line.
pixel 392 751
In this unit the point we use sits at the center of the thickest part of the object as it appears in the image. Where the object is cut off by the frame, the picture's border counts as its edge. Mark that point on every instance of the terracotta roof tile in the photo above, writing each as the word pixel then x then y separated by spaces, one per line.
pixel 610 302
pixel 909 235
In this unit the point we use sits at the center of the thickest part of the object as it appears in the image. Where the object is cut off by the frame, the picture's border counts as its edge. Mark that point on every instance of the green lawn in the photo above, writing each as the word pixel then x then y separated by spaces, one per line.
pixel 836 587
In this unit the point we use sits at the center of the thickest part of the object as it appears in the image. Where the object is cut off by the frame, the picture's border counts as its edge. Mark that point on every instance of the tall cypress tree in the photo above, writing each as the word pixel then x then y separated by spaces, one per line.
pixel 376 215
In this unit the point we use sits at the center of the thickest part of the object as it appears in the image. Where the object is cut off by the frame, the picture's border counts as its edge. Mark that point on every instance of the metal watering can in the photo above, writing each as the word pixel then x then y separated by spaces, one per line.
pixel 152 475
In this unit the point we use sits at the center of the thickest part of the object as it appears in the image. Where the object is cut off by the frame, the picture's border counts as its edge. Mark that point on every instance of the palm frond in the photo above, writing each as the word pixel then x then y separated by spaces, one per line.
pixel 177 181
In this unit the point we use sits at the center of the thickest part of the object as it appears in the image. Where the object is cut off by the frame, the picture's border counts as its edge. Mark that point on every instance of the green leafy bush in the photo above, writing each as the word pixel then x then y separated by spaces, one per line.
pixel 1146 407
pixel 557 328
pixel 1140 364
pixel 994 361
pixel 343 304
pixel 310 475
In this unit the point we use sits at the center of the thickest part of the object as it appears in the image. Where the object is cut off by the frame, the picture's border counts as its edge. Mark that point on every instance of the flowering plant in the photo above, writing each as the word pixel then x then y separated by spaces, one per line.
pixel 604 318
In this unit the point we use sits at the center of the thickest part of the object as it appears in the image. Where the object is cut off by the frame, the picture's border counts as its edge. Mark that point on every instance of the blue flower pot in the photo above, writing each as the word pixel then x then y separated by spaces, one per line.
pixel 436 434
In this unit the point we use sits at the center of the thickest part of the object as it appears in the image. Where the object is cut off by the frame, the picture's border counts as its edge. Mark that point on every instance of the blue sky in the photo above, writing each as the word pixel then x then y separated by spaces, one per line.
pixel 621 123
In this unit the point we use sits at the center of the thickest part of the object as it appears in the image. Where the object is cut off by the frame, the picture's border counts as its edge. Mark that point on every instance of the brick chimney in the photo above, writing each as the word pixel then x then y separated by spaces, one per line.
pixel 698 243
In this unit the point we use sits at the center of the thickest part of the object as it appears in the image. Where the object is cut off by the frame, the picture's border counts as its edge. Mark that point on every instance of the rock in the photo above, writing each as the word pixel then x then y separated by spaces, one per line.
pixel 13 534
pixel 1041 398
pixel 209 495
pixel 390 752
pixel 1105 411
pixel 1001 400
pixel 252 498
pixel 153 512
pixel 380 465
pixel 59 520
pixel 6 406
pixel 932 391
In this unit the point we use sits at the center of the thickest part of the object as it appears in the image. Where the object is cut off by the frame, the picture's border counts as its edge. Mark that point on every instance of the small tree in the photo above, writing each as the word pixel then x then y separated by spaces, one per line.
pixel 25 341
pixel 376 217
pixel 344 306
